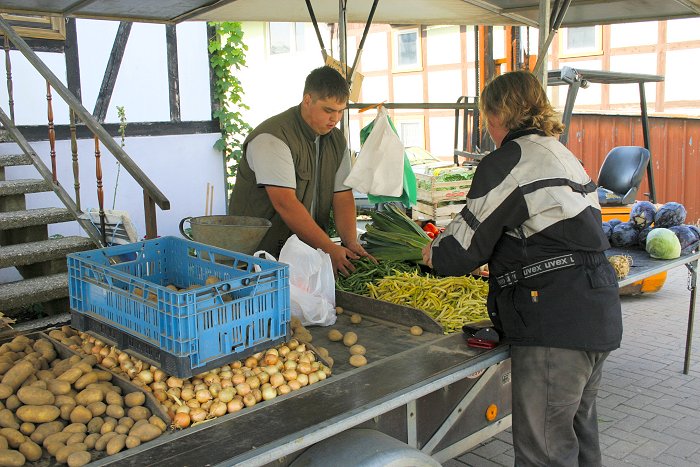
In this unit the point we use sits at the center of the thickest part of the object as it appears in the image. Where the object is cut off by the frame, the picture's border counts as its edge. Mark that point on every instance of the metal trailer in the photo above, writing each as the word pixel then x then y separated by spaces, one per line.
pixel 420 400
pixel 432 393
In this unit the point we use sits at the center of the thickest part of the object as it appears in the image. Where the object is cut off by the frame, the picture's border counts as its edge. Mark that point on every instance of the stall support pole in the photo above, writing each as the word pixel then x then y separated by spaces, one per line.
pixel 692 286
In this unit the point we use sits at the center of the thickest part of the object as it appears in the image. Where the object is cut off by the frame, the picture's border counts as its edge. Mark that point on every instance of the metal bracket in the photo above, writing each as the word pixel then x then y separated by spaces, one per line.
pixel 459 410
pixel 692 274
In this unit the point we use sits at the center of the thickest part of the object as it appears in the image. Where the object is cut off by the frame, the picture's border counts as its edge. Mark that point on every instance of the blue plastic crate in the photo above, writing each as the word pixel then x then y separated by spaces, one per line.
pixel 120 293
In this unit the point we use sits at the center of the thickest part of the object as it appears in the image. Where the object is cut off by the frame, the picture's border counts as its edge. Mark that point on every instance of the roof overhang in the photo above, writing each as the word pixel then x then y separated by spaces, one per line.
pixel 490 12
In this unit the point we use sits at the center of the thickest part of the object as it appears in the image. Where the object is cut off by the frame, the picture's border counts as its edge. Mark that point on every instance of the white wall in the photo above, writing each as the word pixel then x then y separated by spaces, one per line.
pixel 180 166
pixel 273 83
pixel 141 85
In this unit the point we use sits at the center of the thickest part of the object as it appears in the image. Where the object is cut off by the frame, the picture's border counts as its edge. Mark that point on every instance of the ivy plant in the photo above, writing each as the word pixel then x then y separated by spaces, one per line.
pixel 226 55
pixel 121 113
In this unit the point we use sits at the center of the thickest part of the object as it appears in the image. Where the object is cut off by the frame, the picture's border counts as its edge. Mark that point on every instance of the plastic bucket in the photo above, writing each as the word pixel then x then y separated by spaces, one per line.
pixel 236 233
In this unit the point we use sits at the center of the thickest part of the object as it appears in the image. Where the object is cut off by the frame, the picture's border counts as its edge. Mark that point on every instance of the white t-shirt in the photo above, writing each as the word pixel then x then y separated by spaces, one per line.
pixel 271 160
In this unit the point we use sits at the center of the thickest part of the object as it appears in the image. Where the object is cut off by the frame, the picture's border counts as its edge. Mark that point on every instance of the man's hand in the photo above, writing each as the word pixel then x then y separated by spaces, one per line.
pixel 340 257
pixel 426 255
pixel 356 248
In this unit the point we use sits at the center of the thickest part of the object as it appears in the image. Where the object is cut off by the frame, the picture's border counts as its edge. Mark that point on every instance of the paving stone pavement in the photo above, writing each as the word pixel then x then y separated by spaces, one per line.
pixel 648 410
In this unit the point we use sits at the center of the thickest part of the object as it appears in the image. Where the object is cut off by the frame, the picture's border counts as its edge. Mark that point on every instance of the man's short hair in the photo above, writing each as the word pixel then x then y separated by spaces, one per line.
pixel 325 82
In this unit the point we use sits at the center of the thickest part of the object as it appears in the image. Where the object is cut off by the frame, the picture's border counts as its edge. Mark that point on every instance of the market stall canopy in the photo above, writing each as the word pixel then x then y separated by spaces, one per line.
pixel 514 12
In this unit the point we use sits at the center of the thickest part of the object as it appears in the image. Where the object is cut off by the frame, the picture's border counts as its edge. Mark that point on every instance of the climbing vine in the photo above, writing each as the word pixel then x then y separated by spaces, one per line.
pixel 227 54
pixel 121 113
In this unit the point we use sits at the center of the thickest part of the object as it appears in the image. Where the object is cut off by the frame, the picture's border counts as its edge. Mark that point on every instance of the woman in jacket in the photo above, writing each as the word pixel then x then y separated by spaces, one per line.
pixel 532 214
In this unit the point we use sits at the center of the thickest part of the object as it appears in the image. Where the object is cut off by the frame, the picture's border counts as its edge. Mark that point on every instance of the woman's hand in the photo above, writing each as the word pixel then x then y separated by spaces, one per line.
pixel 427 254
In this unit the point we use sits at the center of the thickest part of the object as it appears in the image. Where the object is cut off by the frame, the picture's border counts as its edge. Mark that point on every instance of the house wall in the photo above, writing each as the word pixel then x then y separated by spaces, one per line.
pixel 181 166
pixel 666 48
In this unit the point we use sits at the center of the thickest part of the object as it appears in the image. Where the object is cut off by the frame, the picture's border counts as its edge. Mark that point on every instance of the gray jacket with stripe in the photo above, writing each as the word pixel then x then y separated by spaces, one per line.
pixel 530 201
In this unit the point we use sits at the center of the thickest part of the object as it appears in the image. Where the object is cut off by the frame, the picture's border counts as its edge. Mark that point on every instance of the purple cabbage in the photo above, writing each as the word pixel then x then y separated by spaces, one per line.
pixel 686 237
pixel 642 214
pixel 642 239
pixel 669 215
pixel 624 235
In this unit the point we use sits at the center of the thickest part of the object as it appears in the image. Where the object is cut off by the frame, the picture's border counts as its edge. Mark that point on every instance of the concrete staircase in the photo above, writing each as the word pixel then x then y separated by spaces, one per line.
pixel 26 246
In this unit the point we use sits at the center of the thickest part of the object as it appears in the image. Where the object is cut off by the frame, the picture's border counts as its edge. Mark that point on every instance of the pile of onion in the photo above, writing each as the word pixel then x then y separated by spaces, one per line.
pixel 227 389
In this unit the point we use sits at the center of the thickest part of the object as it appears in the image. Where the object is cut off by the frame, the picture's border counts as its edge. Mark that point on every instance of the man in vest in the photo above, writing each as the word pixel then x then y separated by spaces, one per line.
pixel 292 173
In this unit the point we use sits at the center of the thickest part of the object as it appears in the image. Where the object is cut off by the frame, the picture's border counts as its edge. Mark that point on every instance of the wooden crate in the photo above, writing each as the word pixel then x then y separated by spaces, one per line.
pixel 430 190
pixel 440 213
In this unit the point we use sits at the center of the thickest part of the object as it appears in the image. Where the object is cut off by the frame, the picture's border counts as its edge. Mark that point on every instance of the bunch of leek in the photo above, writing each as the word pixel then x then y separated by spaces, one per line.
pixel 392 235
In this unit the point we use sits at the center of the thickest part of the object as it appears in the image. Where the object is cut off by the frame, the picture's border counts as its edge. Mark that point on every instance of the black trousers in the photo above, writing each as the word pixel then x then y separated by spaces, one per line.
pixel 554 406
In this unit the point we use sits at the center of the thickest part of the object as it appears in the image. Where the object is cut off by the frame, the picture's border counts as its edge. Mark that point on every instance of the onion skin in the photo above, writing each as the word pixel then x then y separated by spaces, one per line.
pixel 276 380
pixel 226 395
pixel 174 382
pixel 186 394
pixel 243 389
pixel 234 406
pixel 198 415
pixel 203 395
pixel 217 409
pixel 181 420
pixel 269 393
pixel 249 400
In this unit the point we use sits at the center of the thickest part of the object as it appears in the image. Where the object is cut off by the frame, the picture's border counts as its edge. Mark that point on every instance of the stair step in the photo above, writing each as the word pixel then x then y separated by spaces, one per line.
pixel 23 186
pixel 8 160
pixel 35 252
pixel 32 217
pixel 30 291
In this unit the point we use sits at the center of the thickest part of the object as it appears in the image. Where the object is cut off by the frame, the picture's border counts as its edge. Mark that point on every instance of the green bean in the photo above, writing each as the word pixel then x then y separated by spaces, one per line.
pixel 451 301
pixel 367 271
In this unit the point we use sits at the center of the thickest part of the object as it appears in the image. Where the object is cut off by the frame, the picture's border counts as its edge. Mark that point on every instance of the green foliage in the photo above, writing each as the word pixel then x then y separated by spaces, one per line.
pixel 121 113
pixel 227 54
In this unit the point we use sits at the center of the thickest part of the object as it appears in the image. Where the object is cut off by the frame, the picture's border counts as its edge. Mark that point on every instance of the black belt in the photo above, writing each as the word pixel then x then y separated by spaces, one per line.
pixel 535 269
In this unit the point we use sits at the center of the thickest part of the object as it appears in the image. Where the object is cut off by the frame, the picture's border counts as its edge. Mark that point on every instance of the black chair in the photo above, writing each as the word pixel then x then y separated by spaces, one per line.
pixel 621 174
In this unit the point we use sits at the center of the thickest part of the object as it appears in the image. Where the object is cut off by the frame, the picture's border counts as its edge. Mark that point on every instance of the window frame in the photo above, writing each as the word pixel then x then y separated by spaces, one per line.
pixel 293 35
pixel 597 48
pixel 395 33
pixel 401 120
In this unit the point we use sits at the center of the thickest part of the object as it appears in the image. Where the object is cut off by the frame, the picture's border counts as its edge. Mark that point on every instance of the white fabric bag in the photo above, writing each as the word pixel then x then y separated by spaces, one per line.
pixel 311 282
pixel 379 166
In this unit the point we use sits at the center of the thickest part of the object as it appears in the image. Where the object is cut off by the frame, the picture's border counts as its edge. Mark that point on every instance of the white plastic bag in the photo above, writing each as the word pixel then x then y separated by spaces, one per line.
pixel 311 282
pixel 379 166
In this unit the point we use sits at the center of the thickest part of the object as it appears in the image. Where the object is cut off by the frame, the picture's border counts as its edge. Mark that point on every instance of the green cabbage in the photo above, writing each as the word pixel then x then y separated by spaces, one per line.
pixel 663 244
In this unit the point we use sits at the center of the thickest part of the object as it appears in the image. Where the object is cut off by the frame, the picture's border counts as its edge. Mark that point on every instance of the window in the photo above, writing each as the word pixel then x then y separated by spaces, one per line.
pixel 576 42
pixel 410 132
pixel 284 38
pixel 407 49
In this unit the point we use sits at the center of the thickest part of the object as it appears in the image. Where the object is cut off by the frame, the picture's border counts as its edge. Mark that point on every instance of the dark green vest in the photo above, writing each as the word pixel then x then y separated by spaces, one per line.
pixel 250 199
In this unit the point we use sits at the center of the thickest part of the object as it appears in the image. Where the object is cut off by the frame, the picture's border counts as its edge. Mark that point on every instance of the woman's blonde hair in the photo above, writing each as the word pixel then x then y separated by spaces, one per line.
pixel 518 100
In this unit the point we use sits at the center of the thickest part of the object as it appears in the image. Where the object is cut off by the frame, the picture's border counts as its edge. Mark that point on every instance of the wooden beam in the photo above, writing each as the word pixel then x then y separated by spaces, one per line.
pixel 111 71
pixel 72 60
pixel 173 76
pixel 38 132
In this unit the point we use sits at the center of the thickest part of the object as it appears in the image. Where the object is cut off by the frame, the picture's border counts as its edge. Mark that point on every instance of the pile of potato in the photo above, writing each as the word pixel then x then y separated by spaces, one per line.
pixel 65 408
pixel 227 389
